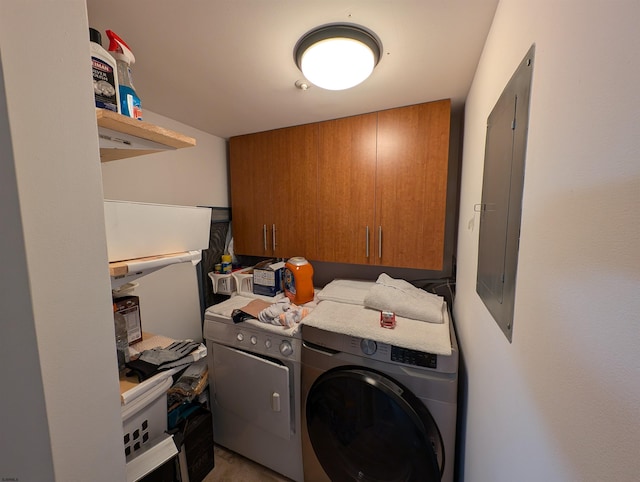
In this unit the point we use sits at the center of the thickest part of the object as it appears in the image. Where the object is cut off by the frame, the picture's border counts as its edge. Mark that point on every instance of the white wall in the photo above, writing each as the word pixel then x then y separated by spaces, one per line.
pixel 562 402
pixel 60 405
pixel 194 176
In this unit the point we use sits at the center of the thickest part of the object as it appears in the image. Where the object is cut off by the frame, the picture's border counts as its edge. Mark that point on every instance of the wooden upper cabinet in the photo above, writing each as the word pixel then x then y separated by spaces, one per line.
pixel 411 185
pixel 346 189
pixel 296 188
pixel 274 192
pixel 251 193
pixel 368 189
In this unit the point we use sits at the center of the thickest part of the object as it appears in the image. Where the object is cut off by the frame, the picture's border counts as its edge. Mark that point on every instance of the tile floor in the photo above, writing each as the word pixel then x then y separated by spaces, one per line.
pixel 232 467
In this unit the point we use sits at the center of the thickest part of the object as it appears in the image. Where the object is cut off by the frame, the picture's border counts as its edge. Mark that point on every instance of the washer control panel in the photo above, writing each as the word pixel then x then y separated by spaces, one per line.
pixel 389 353
pixel 413 357
pixel 266 344
pixel 254 340
pixel 374 350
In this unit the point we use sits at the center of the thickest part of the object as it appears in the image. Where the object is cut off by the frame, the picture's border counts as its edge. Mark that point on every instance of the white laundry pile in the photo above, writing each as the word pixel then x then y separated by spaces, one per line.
pixel 404 299
pixel 353 307
pixel 386 294
pixel 283 313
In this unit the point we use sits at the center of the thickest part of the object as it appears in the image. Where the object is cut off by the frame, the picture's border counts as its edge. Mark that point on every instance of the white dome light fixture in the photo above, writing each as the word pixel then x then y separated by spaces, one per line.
pixel 337 56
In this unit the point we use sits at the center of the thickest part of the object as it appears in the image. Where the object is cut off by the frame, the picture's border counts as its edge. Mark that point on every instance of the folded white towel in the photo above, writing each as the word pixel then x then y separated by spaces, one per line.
pixel 361 322
pixel 346 291
pixel 404 299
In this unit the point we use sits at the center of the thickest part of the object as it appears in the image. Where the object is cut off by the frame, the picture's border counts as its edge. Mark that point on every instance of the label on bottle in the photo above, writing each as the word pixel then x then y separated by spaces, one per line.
pixel 104 85
pixel 289 283
pixel 130 103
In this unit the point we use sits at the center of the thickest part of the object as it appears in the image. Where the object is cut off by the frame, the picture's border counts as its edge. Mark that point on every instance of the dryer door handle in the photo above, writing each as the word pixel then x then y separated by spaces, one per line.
pixel 275 401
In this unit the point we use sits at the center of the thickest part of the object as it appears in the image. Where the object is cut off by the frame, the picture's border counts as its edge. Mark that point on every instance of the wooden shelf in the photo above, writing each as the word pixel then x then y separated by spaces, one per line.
pixel 122 272
pixel 122 137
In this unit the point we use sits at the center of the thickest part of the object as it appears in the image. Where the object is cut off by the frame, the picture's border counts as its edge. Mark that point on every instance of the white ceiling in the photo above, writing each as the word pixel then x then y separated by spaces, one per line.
pixel 226 66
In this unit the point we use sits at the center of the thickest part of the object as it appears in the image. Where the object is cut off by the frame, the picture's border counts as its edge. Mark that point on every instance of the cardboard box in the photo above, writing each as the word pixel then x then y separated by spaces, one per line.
pixel 138 230
pixel 128 307
pixel 267 278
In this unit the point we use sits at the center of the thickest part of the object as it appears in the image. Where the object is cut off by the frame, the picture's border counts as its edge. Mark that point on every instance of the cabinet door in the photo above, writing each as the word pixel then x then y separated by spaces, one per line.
pixel 346 191
pixel 273 192
pixel 411 185
pixel 294 154
pixel 251 193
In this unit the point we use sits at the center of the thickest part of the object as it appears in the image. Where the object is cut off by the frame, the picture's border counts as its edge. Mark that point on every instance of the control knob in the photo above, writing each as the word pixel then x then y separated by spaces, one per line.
pixel 254 340
pixel 240 337
pixel 368 347
pixel 285 348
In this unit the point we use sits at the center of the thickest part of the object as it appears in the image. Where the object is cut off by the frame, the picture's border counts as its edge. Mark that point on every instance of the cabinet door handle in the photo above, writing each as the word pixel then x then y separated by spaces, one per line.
pixel 380 242
pixel 367 242
pixel 264 236
pixel 273 236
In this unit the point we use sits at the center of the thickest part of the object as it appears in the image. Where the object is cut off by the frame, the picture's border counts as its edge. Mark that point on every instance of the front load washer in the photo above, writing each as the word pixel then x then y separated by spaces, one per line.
pixel 376 412
pixel 254 377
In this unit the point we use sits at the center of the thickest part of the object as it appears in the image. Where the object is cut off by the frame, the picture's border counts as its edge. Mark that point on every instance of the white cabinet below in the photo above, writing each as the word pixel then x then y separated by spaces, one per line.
pixel 144 237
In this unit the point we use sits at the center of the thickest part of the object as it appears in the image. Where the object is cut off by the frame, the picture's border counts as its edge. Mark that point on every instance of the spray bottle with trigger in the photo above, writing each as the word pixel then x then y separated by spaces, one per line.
pixel 129 101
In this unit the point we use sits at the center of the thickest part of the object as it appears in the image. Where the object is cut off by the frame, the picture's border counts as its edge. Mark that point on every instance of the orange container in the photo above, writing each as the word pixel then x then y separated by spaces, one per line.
pixel 298 280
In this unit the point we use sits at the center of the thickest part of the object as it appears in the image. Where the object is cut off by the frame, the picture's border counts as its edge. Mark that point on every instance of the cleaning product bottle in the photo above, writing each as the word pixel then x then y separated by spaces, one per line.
pixel 129 101
pixel 298 280
pixel 226 264
pixel 105 74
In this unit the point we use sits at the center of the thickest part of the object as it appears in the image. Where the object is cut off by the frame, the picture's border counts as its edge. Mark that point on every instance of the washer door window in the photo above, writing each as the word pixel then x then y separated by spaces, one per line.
pixel 364 426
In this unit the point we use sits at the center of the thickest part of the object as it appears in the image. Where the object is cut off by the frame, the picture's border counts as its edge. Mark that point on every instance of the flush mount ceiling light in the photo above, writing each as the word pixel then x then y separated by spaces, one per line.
pixel 337 56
